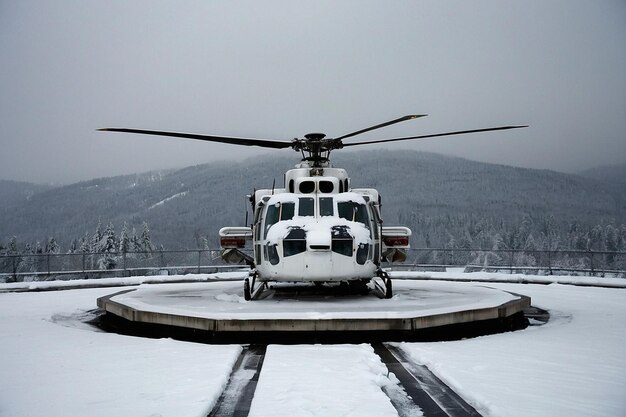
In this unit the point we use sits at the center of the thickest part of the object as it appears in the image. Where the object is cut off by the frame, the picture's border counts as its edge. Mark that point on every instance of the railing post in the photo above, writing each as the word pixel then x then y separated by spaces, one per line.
pixel 199 259
pixel 14 268
pixel 48 263
pixel 511 262
pixel 124 262
pixel 550 261
pixel 593 274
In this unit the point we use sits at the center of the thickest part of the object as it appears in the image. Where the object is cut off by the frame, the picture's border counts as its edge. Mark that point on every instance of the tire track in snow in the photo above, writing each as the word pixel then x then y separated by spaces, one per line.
pixel 427 391
pixel 237 396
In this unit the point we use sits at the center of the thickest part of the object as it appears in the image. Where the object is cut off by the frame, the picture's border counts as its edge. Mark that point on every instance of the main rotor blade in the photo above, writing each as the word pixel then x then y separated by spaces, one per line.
pixel 460 132
pixel 209 138
pixel 402 119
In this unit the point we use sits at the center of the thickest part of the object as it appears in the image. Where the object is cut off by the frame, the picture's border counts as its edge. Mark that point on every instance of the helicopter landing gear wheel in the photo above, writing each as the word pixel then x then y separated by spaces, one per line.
pixel 251 291
pixel 386 291
pixel 246 289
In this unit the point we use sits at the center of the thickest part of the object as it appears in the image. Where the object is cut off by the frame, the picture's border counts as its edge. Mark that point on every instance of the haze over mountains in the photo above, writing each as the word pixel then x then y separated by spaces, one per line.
pixel 441 198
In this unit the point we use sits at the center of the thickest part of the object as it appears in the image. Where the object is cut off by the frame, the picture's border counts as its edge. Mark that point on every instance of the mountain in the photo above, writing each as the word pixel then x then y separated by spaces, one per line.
pixel 16 193
pixel 608 173
pixel 439 197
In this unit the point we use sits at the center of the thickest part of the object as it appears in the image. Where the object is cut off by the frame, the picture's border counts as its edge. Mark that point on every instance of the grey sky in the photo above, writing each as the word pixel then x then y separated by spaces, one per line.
pixel 280 69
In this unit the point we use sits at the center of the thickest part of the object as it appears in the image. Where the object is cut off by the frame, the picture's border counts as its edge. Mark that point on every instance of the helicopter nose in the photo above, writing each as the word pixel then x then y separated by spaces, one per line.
pixel 319 240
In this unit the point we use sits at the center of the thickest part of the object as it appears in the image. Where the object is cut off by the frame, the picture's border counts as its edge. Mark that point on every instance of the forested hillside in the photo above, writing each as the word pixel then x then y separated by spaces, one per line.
pixel 13 193
pixel 446 201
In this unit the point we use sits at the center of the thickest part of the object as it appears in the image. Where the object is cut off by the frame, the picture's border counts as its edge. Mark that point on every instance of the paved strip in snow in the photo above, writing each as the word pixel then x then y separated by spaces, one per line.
pixel 322 380
pixel 237 396
pixel 428 392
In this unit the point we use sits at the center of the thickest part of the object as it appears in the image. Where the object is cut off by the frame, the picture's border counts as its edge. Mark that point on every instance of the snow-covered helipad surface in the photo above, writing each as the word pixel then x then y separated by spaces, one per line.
pixel 53 364
pixel 301 313
pixel 224 300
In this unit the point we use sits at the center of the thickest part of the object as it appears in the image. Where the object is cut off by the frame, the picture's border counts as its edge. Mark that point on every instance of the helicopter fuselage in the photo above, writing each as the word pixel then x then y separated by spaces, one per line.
pixel 316 229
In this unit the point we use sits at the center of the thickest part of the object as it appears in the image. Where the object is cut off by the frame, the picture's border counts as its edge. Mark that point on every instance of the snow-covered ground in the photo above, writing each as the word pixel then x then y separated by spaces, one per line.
pixel 573 366
pixel 51 364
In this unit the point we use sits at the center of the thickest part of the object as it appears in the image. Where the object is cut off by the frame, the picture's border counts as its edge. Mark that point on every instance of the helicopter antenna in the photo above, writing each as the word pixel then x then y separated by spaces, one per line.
pixel 245 223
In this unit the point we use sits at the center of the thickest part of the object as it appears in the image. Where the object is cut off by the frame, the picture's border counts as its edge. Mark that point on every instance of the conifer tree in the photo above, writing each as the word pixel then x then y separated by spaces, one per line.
pixel 124 244
pixel 52 246
pixel 96 239
pixel 12 246
pixel 109 247
pixel 146 243
pixel 135 243
pixel 109 240
pixel 84 246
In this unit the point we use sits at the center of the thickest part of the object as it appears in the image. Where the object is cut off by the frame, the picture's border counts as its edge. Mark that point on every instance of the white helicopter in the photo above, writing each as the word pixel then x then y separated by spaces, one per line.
pixel 317 228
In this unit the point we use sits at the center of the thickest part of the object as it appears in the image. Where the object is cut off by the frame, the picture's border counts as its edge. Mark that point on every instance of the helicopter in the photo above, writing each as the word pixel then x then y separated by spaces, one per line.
pixel 317 228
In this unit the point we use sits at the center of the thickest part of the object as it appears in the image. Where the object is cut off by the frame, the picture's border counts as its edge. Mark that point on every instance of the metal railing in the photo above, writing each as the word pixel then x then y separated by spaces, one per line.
pixel 547 262
pixel 42 267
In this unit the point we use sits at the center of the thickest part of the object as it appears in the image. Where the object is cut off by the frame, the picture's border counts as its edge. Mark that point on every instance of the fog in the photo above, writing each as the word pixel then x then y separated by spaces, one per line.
pixel 281 69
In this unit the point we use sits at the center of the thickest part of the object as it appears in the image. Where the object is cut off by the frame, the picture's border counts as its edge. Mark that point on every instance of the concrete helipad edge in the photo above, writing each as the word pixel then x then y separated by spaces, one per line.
pixel 410 325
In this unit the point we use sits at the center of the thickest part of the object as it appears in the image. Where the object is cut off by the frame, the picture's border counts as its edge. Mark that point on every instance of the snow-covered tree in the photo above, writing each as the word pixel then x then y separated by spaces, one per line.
pixel 146 243
pixel 52 246
pixel 124 243
pixel 611 242
pixel 28 265
pixel 12 246
pixel 109 241
pixel 73 246
pixel 135 242
pixel 84 244
pixel 96 238
pixel 108 248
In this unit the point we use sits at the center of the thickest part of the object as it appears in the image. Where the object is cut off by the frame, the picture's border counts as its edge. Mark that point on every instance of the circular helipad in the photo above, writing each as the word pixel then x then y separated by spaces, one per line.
pixel 217 311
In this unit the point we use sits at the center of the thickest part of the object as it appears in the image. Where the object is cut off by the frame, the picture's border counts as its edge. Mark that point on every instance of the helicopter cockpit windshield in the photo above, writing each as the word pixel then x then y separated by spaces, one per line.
pixel 352 209
pixel 278 212
pixel 354 212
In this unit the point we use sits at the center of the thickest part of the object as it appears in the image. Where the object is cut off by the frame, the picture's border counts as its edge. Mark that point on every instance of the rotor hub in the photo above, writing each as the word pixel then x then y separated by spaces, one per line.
pixel 315 136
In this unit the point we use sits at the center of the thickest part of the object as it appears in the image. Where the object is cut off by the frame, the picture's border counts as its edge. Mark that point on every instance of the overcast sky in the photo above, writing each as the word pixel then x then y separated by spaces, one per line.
pixel 280 69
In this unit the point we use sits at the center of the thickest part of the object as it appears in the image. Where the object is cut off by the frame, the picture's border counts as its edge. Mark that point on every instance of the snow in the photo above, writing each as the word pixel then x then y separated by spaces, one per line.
pixel 457 274
pixel 224 300
pixel 573 366
pixel 321 224
pixel 305 381
pixel 119 282
pixel 160 203
pixel 53 365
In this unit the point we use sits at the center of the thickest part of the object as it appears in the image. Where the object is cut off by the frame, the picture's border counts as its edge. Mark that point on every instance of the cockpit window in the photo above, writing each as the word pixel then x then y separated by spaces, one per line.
pixel 276 212
pixel 306 207
pixel 353 212
pixel 326 187
pixel 307 187
pixel 271 217
pixel 287 211
pixel 326 206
